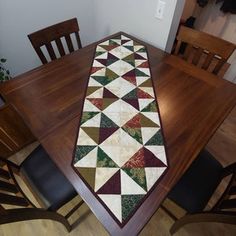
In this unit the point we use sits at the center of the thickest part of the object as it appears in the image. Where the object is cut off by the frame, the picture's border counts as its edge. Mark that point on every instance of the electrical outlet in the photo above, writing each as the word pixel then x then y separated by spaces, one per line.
pixel 160 9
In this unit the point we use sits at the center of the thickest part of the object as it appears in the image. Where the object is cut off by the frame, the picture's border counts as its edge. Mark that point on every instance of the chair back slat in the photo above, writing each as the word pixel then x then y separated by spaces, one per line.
pixel 60 47
pixel 50 51
pixel 202 42
pixel 197 56
pixel 78 39
pixel 8 187
pixel 4 174
pixel 41 55
pixel 218 66
pixel 208 61
pixel 69 43
pixel 55 33
pixel 226 201
pixel 13 200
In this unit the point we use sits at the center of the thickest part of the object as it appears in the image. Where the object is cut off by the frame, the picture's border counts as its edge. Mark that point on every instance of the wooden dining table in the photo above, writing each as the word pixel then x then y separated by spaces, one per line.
pixel 192 103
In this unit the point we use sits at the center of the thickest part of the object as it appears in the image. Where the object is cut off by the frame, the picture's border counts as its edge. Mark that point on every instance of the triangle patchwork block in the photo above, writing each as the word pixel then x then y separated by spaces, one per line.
pixel 135 133
pixel 157 139
pixel 106 133
pixel 146 122
pixel 138 175
pixel 82 151
pixel 112 186
pixel 87 116
pixel 129 185
pixel 133 102
pixel 98 102
pixel 92 133
pixel 103 160
pixel 88 174
pixel 108 94
pixel 151 160
pixel 129 203
pixel 85 139
pixel 88 161
pixel 107 123
pixel 102 176
pixel 113 202
pixel 136 161
pixel 153 174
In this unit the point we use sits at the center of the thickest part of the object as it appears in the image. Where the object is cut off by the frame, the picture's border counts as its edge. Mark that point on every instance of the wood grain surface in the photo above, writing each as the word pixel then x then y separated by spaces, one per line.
pixel 192 107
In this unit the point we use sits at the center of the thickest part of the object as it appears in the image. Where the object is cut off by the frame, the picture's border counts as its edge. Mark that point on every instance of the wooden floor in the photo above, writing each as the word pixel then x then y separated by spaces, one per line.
pixel 222 145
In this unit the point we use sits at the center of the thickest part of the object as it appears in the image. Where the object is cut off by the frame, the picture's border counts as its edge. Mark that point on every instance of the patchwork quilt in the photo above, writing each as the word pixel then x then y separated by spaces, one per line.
pixel 120 151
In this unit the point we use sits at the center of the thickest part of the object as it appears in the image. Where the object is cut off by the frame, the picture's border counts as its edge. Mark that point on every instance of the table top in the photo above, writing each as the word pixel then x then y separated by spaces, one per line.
pixel 192 102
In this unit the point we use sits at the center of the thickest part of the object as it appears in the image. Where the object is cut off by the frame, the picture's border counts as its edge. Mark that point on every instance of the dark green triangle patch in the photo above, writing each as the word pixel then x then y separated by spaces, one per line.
pixel 131 95
pixel 129 203
pixel 131 48
pixel 103 80
pixel 134 133
pixel 140 73
pixel 87 116
pixel 151 107
pixel 107 123
pixel 157 139
pixel 82 151
pixel 103 160
pixel 99 53
pixel 138 175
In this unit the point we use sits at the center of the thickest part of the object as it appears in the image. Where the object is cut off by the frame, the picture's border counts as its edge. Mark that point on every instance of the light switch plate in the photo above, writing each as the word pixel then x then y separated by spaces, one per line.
pixel 160 9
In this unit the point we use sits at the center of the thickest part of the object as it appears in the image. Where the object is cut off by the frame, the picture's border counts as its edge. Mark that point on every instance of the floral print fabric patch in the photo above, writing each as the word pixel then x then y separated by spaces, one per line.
pixel 120 152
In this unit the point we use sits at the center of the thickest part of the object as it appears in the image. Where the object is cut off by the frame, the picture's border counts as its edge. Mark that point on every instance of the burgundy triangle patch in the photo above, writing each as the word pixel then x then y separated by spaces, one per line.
pixel 135 122
pixel 112 186
pixel 102 61
pixel 131 79
pixel 144 65
pixel 136 161
pixel 112 57
pixel 133 102
pixel 138 57
pixel 131 73
pixel 97 102
pixel 108 94
pixel 151 160
pixel 106 133
pixel 142 94
pixel 123 41
pixel 95 69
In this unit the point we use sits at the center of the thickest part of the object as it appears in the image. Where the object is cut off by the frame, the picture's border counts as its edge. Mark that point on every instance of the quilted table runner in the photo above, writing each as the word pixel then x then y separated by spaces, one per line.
pixel 120 152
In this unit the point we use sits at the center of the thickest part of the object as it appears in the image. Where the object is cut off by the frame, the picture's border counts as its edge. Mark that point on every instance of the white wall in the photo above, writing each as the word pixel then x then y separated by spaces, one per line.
pixel 19 18
pixel 135 17
pixel 97 19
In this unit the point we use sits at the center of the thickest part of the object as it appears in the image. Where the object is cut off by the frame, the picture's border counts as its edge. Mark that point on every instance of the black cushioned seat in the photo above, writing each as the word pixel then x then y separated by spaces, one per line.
pixel 193 191
pixel 47 180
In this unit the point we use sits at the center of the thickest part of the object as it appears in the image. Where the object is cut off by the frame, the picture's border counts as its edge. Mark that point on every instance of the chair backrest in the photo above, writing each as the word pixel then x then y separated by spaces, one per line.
pixel 15 206
pixel 204 50
pixel 55 33
pixel 227 201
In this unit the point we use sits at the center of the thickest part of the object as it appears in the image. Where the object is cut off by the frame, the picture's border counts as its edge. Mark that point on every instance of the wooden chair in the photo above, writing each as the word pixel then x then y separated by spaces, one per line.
pixel 48 185
pixel 197 186
pixel 203 50
pixel 46 36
